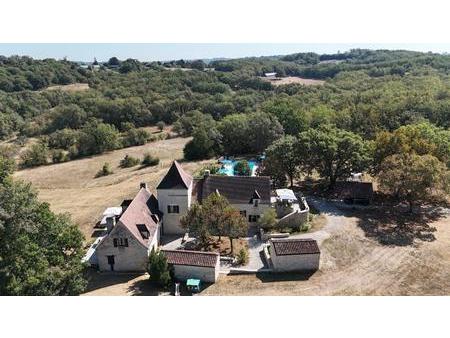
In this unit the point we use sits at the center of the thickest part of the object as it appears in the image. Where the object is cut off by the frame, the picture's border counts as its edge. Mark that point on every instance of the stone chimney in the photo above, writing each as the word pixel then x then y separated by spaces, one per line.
pixel 143 185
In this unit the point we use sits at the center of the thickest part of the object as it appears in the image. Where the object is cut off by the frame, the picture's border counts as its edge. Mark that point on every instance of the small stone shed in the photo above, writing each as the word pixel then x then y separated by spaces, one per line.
pixel 294 255
pixel 187 264
pixel 353 192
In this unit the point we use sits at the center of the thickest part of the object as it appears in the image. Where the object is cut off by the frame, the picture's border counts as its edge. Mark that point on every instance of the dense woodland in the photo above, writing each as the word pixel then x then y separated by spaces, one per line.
pixel 224 104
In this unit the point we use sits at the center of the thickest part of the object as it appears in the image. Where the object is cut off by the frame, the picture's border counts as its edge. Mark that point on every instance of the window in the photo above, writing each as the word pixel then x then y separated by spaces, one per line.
pixel 121 242
pixel 243 213
pixel 143 231
pixel 173 209
pixel 253 218
pixel 256 202
pixel 110 259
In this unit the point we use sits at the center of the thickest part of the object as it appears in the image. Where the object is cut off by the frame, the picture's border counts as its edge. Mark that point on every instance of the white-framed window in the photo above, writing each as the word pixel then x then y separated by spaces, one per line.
pixel 253 218
pixel 243 213
pixel 173 209
pixel 255 202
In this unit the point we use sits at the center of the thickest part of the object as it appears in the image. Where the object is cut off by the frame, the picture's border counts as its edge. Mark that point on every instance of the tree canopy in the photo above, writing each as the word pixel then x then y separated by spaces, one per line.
pixel 40 252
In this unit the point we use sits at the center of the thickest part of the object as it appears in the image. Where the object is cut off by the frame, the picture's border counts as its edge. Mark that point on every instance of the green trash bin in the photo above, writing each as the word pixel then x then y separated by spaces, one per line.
pixel 193 285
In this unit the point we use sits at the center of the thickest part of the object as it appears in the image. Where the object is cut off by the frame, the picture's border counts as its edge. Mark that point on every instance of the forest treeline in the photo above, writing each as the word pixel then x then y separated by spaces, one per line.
pixel 366 92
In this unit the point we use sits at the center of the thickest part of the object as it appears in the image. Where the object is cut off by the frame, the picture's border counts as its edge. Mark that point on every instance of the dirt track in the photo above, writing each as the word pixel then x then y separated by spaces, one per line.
pixel 353 264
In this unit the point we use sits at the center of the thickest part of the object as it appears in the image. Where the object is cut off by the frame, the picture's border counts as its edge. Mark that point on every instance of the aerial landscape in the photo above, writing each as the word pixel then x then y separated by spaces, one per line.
pixel 280 175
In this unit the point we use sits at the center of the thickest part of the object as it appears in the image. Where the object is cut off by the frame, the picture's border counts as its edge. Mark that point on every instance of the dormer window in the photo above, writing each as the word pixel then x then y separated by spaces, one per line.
pixel 143 231
pixel 256 198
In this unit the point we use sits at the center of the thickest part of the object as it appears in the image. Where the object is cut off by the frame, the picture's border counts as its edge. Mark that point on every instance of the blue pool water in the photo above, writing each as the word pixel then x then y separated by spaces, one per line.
pixel 228 167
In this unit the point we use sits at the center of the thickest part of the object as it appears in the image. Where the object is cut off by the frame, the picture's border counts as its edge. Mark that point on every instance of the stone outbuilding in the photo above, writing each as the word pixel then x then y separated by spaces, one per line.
pixel 288 255
pixel 186 264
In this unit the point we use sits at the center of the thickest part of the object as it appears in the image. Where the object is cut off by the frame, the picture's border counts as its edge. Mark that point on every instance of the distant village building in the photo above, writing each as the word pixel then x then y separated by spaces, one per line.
pixel 271 75
pixel 291 255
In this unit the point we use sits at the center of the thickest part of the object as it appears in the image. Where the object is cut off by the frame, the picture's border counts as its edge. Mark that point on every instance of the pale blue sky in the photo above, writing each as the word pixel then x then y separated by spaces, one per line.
pixel 170 51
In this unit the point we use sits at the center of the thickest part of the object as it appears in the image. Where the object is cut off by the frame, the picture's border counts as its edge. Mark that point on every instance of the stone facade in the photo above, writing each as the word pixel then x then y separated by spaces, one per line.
pixel 306 262
pixel 251 209
pixel 205 274
pixel 180 197
pixel 133 257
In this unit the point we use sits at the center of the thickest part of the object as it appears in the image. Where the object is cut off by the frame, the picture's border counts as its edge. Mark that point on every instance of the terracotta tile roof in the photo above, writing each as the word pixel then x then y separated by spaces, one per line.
pixel 176 177
pixel 191 258
pixel 285 247
pixel 237 189
pixel 139 212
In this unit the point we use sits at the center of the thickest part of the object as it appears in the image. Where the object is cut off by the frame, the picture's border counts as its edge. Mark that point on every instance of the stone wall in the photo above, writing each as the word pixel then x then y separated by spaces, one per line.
pixel 205 274
pixel 134 257
pixel 180 197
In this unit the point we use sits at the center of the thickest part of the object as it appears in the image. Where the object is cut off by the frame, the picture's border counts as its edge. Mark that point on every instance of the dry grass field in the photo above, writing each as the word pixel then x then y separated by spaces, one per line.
pixel 353 262
pixel 279 81
pixel 74 87
pixel 71 186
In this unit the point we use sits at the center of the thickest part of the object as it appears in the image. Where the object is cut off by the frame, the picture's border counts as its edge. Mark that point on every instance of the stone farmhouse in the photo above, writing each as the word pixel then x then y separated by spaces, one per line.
pixel 136 230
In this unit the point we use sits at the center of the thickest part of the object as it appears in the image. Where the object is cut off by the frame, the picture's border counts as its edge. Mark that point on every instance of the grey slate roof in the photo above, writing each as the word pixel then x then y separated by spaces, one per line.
pixel 237 189
pixel 176 178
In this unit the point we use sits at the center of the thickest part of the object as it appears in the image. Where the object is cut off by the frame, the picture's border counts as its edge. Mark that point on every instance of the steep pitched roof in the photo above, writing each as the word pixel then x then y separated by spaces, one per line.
pixel 285 247
pixel 237 189
pixel 175 178
pixel 191 258
pixel 141 212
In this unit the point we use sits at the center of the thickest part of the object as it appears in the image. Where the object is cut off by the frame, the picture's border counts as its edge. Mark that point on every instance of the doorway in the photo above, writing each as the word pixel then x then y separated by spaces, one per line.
pixel 111 262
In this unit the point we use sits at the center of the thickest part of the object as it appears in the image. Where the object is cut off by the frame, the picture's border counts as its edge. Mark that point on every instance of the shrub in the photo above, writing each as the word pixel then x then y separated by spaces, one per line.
pixel 36 155
pixel 160 125
pixel 242 257
pixel 149 160
pixel 135 137
pixel 268 219
pixel 58 156
pixel 213 170
pixel 129 161
pixel 105 171
pixel 158 268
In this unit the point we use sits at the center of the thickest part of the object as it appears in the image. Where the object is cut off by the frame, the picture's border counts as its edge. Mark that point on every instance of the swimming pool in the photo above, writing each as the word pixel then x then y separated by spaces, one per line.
pixel 228 167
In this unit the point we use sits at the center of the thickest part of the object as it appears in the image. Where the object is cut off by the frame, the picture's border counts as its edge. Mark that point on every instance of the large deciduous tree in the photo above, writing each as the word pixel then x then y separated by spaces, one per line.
pixel 421 139
pixel 40 252
pixel 282 158
pixel 413 178
pixel 214 217
pixel 334 153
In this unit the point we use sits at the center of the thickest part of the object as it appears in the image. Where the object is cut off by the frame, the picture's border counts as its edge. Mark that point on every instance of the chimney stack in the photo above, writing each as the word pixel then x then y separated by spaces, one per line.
pixel 143 185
